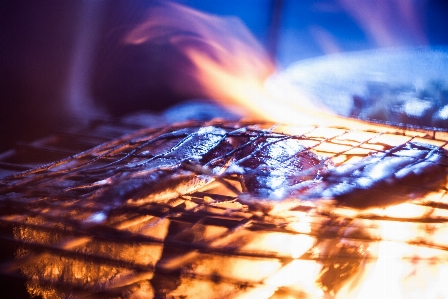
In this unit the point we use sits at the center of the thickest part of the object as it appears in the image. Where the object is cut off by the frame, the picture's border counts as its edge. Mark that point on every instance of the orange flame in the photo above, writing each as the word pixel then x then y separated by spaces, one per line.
pixel 218 58
pixel 214 57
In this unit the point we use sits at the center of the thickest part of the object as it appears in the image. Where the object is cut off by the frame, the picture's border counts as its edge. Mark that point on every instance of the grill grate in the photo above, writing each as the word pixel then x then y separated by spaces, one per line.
pixel 75 237
pixel 26 156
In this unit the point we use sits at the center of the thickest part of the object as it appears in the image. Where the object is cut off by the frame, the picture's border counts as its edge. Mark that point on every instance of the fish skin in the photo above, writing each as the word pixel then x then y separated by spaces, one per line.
pixel 274 168
pixel 271 167
pixel 163 177
pixel 277 167
pixel 407 172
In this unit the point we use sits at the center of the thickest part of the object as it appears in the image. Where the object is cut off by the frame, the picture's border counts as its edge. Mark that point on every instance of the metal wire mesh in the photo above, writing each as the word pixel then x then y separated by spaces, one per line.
pixel 181 230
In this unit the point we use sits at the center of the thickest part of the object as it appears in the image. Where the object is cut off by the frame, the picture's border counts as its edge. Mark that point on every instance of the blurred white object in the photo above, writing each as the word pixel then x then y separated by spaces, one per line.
pixel 382 84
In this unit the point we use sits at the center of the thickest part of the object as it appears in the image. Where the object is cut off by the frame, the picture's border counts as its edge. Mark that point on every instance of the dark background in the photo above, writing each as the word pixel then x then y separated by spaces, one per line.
pixel 58 57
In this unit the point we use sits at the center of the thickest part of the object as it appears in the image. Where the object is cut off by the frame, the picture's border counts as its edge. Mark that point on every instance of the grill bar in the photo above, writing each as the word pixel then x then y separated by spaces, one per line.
pixel 202 238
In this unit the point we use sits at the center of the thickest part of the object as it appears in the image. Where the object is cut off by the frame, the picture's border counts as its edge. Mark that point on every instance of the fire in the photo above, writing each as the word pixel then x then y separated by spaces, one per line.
pixel 286 253
pixel 217 57
pixel 198 246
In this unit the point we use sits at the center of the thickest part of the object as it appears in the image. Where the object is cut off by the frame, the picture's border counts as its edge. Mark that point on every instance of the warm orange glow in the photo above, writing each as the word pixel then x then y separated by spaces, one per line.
pixel 217 57
pixel 298 272
pixel 404 271
pixel 384 258
pixel 318 251
pixel 405 266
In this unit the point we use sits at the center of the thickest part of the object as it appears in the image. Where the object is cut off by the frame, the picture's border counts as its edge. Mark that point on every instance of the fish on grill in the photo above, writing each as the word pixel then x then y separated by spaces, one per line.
pixel 269 166
pixel 276 167
pixel 156 211
pixel 405 172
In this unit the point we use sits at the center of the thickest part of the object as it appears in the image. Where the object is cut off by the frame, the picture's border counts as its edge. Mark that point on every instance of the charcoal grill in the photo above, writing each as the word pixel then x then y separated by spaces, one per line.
pixel 200 243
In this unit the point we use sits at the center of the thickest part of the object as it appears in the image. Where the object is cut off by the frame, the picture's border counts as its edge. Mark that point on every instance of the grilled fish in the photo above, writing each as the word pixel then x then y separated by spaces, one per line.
pixel 408 171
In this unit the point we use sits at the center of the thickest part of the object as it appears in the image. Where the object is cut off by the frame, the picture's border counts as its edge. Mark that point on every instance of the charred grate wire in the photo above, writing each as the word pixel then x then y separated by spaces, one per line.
pixel 182 240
